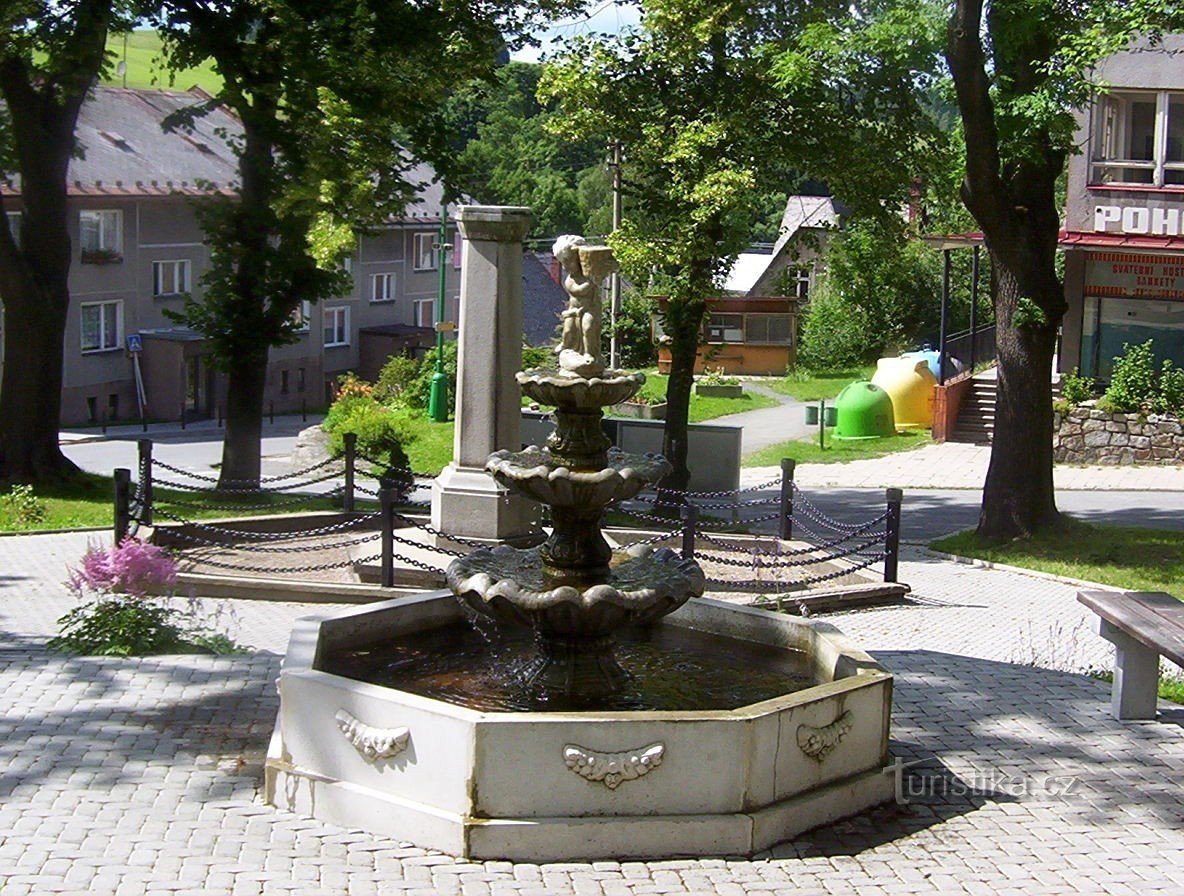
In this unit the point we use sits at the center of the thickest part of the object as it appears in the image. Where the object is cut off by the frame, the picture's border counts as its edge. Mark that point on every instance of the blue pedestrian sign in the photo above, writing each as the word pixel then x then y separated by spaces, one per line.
pixel 135 344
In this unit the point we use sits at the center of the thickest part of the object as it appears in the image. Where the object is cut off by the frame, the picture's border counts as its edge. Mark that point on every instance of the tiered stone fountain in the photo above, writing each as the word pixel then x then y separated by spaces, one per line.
pixel 573 591
pixel 725 729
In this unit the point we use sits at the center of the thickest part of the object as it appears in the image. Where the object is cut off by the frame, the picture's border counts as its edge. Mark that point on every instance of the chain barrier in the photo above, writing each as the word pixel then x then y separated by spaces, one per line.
pixel 811 511
pixel 389 468
pixel 292 502
pixel 247 535
pixel 723 584
pixel 825 545
pixel 273 549
pixel 157 462
pixel 657 501
pixel 757 562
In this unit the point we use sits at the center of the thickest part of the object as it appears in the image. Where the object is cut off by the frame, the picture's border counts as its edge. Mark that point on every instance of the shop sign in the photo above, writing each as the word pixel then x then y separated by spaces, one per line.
pixel 1137 219
pixel 1128 275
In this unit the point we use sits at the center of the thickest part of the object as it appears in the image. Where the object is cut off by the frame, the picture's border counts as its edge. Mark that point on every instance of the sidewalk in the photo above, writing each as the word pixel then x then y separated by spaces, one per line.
pixel 142 776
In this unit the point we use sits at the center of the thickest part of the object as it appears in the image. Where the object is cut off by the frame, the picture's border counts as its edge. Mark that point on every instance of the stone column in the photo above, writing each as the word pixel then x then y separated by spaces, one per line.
pixel 465 499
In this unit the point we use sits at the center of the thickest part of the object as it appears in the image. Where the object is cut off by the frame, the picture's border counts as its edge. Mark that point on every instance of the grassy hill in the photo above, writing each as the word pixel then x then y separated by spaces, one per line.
pixel 146 69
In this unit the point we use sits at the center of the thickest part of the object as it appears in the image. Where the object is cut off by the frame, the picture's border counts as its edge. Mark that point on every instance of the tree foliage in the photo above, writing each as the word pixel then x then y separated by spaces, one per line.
pixel 51 54
pixel 713 103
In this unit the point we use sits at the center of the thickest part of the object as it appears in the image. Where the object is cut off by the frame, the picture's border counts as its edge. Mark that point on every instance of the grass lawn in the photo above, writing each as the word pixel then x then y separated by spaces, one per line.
pixel 432 451
pixel 805 385
pixel 89 502
pixel 806 451
pixel 145 69
pixel 1131 558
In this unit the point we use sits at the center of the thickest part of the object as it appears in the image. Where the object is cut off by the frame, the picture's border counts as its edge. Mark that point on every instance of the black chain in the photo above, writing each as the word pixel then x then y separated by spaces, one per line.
pixel 292 502
pixel 757 562
pixel 725 584
pixel 273 549
pixel 276 536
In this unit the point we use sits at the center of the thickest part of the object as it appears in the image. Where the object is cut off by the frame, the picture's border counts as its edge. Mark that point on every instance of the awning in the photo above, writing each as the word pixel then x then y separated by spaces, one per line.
pixel 1127 241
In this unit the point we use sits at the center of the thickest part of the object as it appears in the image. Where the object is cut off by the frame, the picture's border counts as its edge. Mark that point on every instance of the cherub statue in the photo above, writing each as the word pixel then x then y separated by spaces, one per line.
pixel 586 267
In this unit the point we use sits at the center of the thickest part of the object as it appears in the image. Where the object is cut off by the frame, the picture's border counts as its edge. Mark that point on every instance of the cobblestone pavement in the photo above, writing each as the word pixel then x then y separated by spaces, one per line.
pixel 142 776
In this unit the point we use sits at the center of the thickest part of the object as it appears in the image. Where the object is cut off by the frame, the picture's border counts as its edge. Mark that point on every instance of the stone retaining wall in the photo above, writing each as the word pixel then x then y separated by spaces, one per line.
pixel 1086 435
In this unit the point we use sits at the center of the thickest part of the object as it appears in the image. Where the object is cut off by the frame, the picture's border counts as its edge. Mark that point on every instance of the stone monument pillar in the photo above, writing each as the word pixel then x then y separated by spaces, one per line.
pixel 466 501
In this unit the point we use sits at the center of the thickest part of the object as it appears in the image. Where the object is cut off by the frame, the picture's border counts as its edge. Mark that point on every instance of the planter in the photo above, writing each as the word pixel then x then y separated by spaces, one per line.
pixel 708 390
pixel 639 411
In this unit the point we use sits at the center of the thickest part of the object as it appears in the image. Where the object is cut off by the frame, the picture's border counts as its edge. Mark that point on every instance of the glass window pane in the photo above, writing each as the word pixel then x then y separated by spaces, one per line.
pixel 1141 130
pixel 110 324
pixel 90 327
pixel 1175 151
pixel 89 231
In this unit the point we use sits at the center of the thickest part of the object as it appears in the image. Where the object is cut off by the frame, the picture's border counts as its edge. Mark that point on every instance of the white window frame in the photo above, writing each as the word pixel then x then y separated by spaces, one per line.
pixel 802 279
pixel 15 221
pixel 1111 119
pixel 302 316
pixel 431 306
pixel 426 252
pixel 382 287
pixel 181 274
pixel 339 328
pixel 110 230
pixel 718 331
pixel 107 342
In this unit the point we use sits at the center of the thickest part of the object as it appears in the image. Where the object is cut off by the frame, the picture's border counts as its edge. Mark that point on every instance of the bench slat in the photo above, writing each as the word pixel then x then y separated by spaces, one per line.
pixel 1150 617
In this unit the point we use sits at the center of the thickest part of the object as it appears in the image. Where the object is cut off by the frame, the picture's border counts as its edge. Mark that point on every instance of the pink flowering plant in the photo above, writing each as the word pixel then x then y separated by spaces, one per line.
pixel 125 609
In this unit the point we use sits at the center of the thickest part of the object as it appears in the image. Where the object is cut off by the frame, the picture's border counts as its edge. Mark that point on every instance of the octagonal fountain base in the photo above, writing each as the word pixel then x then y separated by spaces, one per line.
pixel 550 786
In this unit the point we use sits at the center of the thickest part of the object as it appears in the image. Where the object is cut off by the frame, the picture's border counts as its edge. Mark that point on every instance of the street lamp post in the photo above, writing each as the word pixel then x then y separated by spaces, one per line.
pixel 438 397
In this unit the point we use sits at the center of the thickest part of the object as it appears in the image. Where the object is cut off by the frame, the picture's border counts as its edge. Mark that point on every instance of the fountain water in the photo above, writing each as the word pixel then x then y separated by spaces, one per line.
pixel 385 724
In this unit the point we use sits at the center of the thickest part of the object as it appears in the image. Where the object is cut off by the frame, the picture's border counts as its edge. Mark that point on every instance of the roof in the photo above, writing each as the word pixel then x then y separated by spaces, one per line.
pixel 806 212
pixel 543 300
pixel 1075 239
pixel 126 152
pixel 746 271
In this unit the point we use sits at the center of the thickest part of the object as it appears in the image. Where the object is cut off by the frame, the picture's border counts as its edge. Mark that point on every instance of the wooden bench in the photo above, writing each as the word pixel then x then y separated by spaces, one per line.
pixel 1142 626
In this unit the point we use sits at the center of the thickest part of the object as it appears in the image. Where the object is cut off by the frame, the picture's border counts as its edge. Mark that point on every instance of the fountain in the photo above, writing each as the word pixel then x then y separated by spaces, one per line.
pixel 635 718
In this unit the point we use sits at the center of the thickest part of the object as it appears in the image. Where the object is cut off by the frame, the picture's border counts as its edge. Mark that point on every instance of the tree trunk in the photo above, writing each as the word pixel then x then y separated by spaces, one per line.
pixel 1018 496
pixel 242 445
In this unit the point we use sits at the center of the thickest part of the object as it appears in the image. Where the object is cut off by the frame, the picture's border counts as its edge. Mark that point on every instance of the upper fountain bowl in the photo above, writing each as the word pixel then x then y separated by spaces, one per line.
pixel 562 389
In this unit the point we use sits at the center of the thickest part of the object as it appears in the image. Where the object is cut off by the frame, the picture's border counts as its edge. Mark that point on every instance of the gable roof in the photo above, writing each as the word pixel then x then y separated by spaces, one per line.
pixel 803 213
pixel 124 151
pixel 543 300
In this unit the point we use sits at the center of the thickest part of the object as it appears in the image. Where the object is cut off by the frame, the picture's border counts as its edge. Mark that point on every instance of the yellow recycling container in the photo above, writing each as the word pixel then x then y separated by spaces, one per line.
pixel 909 383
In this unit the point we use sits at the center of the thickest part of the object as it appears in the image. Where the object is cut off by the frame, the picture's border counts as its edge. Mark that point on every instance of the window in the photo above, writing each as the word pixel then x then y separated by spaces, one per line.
pixel 382 288
pixel 425 312
pixel 425 251
pixel 1138 138
pixel 767 329
pixel 14 226
pixel 299 379
pixel 725 328
pixel 101 325
pixel 336 326
pixel 800 278
pixel 302 316
pixel 101 235
pixel 283 382
pixel 170 278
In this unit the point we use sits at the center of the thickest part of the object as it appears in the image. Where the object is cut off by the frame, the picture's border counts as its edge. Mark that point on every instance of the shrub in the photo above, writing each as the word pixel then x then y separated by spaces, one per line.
pixel 420 391
pixel 21 508
pixel 635 340
pixel 836 333
pixel 1132 385
pixel 537 356
pixel 382 437
pixel 1169 399
pixel 122 617
pixel 1075 389
pixel 396 379
pixel 717 377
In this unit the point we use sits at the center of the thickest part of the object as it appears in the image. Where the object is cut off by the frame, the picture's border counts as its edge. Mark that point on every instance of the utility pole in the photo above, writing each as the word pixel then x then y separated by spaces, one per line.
pixel 614 283
pixel 438 397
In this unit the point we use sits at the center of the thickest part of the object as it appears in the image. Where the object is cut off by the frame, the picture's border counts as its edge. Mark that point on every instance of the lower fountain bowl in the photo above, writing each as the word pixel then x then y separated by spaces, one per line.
pixel 553 786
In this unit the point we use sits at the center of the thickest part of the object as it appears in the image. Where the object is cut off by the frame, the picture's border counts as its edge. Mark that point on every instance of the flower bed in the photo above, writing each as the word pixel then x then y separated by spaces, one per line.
pixel 1086 435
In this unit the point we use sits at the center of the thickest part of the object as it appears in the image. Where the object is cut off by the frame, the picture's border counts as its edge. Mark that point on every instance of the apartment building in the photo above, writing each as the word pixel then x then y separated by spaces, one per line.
pixel 1124 233
pixel 139 250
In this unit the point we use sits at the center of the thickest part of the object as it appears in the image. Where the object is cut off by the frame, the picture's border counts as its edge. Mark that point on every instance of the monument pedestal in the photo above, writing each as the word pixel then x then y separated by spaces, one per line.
pixel 468 502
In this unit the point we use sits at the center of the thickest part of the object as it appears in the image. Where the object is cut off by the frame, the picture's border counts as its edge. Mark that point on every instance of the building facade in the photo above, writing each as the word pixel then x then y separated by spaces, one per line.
pixel 1124 213
pixel 139 250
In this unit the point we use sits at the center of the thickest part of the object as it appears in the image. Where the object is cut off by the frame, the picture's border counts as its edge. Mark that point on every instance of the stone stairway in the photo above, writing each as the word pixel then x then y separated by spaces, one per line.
pixel 976 415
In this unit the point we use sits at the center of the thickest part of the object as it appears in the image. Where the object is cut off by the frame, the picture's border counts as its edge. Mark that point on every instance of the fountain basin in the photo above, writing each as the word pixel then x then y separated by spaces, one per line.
pixel 536 473
pixel 549 786
pixel 557 388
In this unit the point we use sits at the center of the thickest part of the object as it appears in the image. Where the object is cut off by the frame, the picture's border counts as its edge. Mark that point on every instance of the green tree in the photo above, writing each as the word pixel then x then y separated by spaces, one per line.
pixel 51 54
pixel 337 99
pixel 713 102
pixel 1020 68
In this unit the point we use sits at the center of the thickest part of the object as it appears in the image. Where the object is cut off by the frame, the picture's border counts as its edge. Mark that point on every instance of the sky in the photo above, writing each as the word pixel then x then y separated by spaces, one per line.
pixel 602 16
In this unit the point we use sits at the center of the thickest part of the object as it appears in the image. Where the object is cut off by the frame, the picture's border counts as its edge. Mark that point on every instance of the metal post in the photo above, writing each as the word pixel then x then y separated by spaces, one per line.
pixel 219 416
pixel 787 469
pixel 182 415
pixel 974 309
pixel 438 396
pixel 304 410
pixel 351 447
pixel 945 318
pixel 386 497
pixel 822 424
pixel 892 535
pixel 690 523
pixel 103 421
pixel 123 501
pixel 143 422
pixel 145 448
pixel 271 412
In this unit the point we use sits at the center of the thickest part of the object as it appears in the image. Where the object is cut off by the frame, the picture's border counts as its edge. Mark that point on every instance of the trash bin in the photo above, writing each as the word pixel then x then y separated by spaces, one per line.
pixel 811 415
pixel 864 411
pixel 831 417
pixel 909 382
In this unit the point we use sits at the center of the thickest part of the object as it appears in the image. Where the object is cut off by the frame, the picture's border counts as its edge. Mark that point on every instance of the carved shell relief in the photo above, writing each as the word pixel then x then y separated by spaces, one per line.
pixel 613 768
pixel 818 743
pixel 372 743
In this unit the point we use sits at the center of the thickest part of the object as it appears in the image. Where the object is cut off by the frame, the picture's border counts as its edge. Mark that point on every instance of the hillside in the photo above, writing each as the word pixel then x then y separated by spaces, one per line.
pixel 145 69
